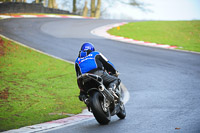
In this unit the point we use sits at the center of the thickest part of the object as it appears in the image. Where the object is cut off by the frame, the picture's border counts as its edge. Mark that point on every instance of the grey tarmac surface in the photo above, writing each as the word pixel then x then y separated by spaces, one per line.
pixel 164 85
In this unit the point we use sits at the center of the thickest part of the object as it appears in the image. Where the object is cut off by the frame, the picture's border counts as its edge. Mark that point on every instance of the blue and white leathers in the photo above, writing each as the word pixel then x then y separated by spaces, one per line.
pixel 87 63
pixel 91 61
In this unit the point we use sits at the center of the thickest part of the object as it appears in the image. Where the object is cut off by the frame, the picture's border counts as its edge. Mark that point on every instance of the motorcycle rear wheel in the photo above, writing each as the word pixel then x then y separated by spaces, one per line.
pixel 96 102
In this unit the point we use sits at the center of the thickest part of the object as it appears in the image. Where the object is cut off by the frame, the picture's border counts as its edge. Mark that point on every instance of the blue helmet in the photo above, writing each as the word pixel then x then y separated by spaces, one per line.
pixel 87 46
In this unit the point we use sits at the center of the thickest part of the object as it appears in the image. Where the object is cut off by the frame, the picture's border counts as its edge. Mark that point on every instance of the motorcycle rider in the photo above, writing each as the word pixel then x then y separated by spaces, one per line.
pixel 91 61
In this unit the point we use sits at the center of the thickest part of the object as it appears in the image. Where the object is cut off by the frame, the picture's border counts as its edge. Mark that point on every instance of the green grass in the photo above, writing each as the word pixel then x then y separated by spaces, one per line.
pixel 34 87
pixel 183 34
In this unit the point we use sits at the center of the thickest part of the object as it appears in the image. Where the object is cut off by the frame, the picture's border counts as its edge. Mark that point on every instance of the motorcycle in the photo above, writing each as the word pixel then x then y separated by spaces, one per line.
pixel 103 103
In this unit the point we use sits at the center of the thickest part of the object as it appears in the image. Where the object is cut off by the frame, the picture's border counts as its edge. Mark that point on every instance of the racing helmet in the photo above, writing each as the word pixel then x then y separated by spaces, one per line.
pixel 87 46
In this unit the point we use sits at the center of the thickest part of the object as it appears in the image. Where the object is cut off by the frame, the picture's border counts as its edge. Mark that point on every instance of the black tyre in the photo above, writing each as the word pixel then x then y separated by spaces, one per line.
pixel 122 112
pixel 96 102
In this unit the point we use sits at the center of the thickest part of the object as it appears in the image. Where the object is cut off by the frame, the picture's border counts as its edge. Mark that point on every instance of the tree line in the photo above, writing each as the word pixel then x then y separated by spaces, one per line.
pixel 94 9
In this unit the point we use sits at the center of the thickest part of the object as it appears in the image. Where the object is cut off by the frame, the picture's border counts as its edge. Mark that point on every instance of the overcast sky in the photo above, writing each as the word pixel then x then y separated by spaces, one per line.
pixel 160 10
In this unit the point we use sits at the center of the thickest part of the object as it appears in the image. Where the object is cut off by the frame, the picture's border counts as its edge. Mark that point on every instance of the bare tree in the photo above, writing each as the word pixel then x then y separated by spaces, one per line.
pixel 74 6
pixel 55 5
pixel 98 9
pixel 92 14
pixel 85 9
pixel 44 2
pixel 52 4
pixel 95 10
pixel 137 4
pixel 80 6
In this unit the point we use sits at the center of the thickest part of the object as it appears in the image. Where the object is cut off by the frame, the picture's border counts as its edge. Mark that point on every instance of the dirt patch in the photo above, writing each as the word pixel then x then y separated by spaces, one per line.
pixel 4 94
pixel 5 46
pixel 2 52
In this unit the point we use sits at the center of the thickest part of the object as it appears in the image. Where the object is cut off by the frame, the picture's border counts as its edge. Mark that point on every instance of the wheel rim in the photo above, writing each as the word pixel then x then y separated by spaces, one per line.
pixel 105 109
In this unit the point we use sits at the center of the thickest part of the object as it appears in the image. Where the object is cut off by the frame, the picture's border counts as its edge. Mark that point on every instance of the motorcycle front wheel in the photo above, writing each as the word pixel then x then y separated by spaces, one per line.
pixel 122 112
pixel 101 114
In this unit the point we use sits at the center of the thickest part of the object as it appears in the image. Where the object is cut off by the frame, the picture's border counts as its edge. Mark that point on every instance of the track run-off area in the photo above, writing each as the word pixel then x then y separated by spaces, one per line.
pixel 164 85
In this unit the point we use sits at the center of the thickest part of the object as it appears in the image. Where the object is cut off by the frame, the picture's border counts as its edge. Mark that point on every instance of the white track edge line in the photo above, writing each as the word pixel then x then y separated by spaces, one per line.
pixel 105 28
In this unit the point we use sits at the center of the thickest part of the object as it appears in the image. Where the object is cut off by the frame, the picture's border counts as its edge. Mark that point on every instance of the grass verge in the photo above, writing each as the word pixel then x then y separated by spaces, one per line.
pixel 183 34
pixel 34 87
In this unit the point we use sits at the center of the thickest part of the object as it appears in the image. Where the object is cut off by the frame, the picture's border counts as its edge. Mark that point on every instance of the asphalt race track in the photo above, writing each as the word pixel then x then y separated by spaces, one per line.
pixel 164 85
